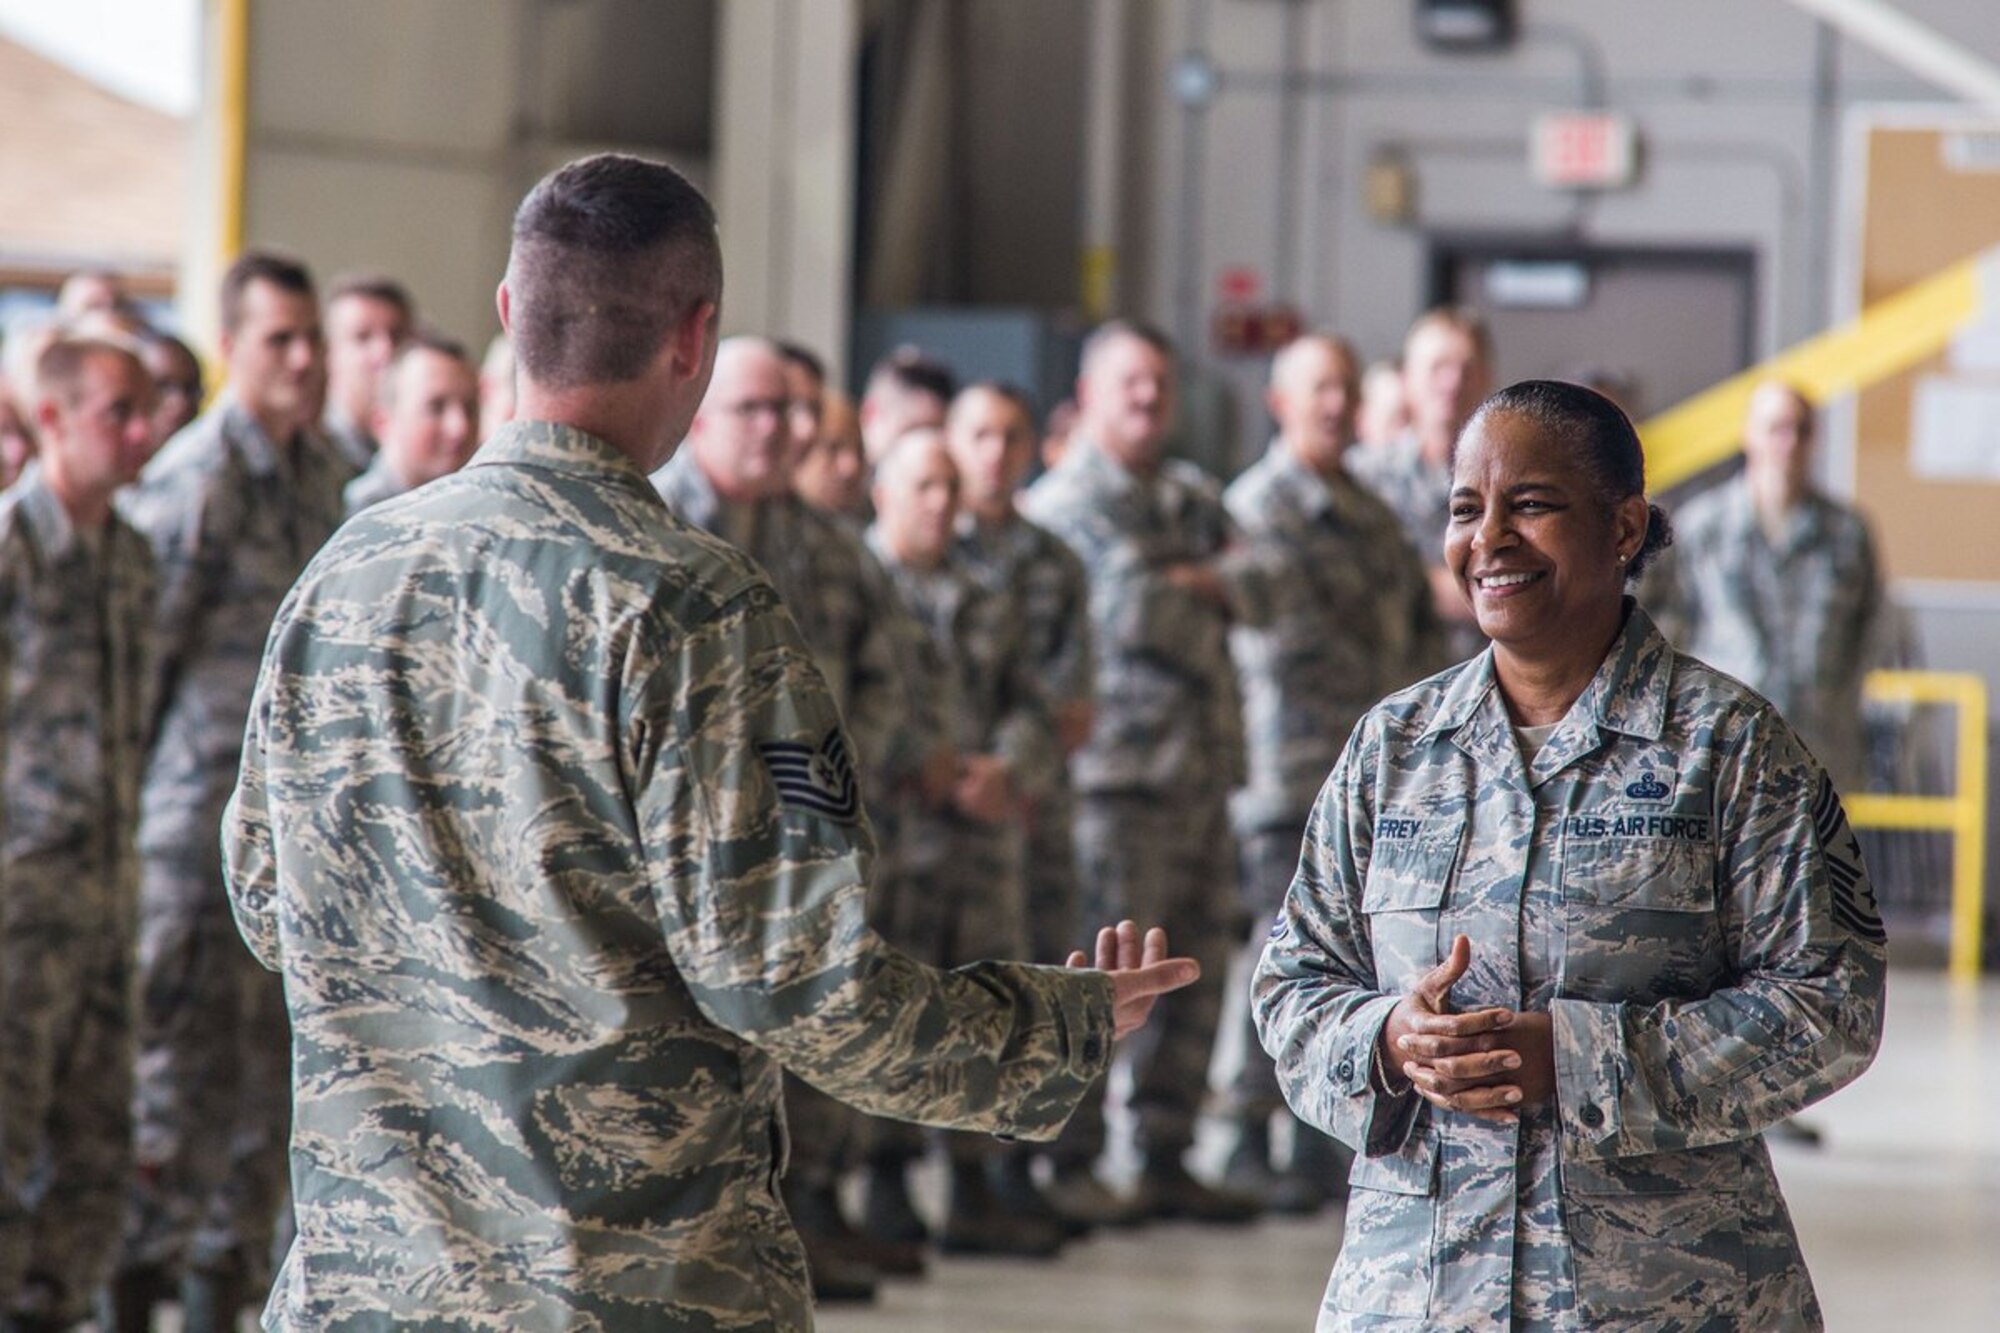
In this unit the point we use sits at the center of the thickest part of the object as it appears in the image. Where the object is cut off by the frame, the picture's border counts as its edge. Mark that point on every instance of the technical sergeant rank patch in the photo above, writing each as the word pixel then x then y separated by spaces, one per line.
pixel 819 780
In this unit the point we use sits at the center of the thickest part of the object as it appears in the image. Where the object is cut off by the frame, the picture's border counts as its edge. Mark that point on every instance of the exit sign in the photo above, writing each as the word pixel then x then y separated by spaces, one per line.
pixel 1585 150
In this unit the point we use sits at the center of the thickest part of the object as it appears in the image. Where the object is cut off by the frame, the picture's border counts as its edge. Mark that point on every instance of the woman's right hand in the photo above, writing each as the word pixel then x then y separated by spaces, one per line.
pixel 1462 1062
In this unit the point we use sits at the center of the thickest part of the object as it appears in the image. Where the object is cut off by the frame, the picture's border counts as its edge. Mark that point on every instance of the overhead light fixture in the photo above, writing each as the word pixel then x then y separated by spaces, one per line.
pixel 1466 25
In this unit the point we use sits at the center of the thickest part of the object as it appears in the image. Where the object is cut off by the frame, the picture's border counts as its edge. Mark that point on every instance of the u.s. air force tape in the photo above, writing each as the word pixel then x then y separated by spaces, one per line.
pixel 817 779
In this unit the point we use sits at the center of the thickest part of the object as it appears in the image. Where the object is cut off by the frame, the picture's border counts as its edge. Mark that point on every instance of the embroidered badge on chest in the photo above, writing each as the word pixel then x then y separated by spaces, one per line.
pixel 818 779
pixel 1655 786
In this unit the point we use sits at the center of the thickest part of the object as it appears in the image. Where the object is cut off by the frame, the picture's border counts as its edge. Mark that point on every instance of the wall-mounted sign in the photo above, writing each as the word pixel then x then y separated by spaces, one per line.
pixel 1537 284
pixel 1584 150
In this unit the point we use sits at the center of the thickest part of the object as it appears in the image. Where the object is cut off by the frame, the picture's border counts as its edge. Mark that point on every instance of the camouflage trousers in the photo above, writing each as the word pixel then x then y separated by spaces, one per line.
pixel 1269 857
pixel 213 1100
pixel 968 908
pixel 1167 861
pixel 65 1094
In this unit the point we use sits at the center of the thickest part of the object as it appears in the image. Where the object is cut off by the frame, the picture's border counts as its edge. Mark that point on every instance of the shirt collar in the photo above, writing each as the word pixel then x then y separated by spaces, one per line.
pixel 1312 490
pixel 1105 471
pixel 554 447
pixel 48 522
pixel 1628 694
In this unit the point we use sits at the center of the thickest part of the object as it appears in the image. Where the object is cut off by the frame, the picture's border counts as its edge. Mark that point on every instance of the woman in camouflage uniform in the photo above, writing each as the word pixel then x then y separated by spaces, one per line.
pixel 1573 924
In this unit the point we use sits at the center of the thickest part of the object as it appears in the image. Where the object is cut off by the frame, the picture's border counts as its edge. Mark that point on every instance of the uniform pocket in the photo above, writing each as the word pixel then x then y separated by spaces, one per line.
pixel 1657 1240
pixel 1406 886
pixel 1650 874
pixel 1386 1256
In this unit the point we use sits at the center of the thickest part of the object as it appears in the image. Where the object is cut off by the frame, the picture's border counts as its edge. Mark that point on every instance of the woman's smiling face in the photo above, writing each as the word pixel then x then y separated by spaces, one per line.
pixel 1531 542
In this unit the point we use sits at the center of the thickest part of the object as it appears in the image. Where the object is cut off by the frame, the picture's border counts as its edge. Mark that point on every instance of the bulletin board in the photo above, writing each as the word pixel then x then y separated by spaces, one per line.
pixel 1927 440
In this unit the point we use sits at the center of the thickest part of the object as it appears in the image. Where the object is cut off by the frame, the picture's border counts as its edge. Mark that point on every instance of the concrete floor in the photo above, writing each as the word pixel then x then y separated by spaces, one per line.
pixel 1899 1214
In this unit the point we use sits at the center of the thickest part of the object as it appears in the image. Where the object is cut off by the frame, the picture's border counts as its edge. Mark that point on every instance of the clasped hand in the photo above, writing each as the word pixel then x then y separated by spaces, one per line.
pixel 1487 1063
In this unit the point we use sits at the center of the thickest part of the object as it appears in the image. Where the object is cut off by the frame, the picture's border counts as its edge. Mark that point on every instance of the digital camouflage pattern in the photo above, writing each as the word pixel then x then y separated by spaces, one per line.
pixel 1797 620
pixel 975 640
pixel 232 517
pixel 840 599
pixel 550 823
pixel 1152 826
pixel 1351 622
pixel 1418 492
pixel 968 899
pixel 1673 879
pixel 75 620
pixel 1169 715
pixel 1050 586
pixel 846 609
pixel 1048 582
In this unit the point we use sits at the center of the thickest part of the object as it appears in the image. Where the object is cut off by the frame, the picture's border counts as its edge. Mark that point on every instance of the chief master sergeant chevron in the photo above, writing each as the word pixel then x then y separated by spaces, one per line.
pixel 518 822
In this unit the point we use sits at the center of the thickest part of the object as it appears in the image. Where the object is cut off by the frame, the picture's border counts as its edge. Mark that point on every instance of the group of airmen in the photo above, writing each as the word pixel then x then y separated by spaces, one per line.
pixel 1112 693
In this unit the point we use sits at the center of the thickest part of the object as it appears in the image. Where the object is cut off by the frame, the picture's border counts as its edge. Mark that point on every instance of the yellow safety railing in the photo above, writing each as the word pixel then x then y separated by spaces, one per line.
pixel 1961 814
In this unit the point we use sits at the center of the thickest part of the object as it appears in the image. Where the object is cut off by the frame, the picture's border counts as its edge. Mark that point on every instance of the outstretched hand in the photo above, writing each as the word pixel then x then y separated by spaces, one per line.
pixel 1487 1063
pixel 1140 973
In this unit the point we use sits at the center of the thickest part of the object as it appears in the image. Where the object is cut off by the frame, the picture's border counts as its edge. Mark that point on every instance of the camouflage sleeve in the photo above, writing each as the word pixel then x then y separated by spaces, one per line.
pixel 1314 996
pixel 1254 581
pixel 173 515
pixel 759 852
pixel 1803 1015
pixel 249 855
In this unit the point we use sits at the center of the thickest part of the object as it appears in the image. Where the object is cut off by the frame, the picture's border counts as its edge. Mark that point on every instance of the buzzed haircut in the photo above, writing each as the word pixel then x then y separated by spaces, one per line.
pixel 280 270
pixel 59 369
pixel 1460 318
pixel 798 354
pixel 374 287
pixel 1007 389
pixel 915 371
pixel 1111 330
pixel 422 338
pixel 1331 341
pixel 610 254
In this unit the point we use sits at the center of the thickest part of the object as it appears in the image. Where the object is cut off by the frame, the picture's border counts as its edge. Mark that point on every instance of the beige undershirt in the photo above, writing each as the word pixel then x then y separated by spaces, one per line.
pixel 1533 739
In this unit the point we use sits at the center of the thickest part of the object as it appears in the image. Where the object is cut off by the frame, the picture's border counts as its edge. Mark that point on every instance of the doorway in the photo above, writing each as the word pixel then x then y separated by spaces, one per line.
pixel 1649 326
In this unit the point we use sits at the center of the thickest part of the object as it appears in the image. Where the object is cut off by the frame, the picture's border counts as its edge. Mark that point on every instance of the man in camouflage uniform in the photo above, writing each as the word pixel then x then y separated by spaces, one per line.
pixel 1671 887
pixel 1447 371
pixel 367 317
pixel 426 420
pixel 76 591
pixel 1154 779
pixel 1352 620
pixel 990 431
pixel 234 507
pixel 974 641
pixel 1775 582
pixel 732 481
pixel 554 830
